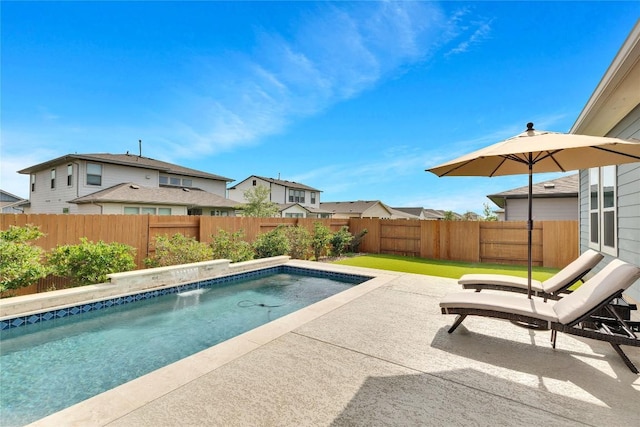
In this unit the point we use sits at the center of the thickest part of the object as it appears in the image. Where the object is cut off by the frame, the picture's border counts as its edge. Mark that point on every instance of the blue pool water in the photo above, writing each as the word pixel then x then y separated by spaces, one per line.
pixel 51 365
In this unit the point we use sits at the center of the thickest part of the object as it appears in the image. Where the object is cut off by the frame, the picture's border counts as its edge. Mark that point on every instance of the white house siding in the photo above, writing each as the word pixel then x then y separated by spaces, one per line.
pixel 237 193
pixel 279 193
pixel 546 209
pixel 376 211
pixel 295 210
pixel 628 198
pixel 53 200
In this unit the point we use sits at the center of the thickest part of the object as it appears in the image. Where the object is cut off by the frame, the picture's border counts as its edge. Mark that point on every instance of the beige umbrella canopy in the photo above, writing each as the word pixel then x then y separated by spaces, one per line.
pixel 541 151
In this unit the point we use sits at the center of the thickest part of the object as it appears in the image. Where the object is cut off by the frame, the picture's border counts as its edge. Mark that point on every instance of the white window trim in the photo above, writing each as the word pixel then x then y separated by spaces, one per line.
pixel 601 210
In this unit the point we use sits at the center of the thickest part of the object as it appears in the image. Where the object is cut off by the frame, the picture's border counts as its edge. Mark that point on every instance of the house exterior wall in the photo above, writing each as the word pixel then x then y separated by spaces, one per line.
pixel 628 203
pixel 47 200
pixel 279 193
pixel 295 211
pixel 376 211
pixel 555 209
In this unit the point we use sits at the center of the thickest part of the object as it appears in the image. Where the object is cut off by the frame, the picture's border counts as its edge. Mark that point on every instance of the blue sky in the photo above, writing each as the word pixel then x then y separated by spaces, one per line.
pixel 355 99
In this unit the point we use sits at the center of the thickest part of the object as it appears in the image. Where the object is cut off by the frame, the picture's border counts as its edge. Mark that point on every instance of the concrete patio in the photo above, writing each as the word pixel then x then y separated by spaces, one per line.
pixel 379 355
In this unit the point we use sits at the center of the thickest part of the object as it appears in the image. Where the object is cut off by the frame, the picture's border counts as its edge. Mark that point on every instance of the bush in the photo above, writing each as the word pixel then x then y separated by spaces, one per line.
pixel 320 240
pixel 88 263
pixel 21 262
pixel 355 243
pixel 231 246
pixel 299 242
pixel 272 243
pixel 341 241
pixel 178 250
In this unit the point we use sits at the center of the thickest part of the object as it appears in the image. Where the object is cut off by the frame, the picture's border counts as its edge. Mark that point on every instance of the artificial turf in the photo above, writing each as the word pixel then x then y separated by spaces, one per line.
pixel 451 269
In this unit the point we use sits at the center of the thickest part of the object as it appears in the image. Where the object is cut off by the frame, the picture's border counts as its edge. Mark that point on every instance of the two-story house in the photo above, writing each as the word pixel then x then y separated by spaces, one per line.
pixel 294 200
pixel 124 184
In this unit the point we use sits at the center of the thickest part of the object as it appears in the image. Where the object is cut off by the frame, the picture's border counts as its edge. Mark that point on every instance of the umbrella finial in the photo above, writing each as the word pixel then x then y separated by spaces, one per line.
pixel 529 126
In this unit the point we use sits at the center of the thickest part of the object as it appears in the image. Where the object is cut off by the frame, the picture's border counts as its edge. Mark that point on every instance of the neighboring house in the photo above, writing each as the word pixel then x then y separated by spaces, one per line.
pixel 10 203
pixel 294 200
pixel 124 184
pixel 552 200
pixel 610 196
pixel 364 209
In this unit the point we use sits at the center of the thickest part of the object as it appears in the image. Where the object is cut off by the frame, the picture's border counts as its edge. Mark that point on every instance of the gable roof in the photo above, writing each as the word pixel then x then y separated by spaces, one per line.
pixel 566 186
pixel 133 193
pixel 351 207
pixel 282 182
pixel 126 160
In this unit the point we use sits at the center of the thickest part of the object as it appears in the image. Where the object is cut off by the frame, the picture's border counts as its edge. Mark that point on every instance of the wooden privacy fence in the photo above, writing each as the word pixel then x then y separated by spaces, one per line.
pixel 555 243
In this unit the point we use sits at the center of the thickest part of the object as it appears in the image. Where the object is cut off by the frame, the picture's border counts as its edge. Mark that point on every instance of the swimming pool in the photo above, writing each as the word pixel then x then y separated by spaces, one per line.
pixel 51 364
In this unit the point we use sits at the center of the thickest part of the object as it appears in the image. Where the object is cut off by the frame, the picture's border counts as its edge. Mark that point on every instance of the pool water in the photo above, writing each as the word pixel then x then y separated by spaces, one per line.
pixel 48 366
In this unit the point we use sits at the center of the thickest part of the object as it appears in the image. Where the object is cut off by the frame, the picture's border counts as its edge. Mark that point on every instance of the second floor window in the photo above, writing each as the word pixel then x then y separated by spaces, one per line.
pixel 94 174
pixel 69 175
pixel 33 182
pixel 53 178
pixel 296 196
pixel 313 198
pixel 176 182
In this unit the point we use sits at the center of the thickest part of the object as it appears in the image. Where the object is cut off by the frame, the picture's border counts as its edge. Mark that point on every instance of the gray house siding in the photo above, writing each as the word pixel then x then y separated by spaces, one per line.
pixel 628 199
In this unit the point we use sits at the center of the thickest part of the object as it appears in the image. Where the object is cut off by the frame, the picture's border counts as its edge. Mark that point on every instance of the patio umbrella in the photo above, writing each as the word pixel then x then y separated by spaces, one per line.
pixel 541 151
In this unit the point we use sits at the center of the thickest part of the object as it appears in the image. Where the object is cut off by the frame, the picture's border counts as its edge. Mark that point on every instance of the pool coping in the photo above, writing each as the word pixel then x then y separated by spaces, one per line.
pixel 119 401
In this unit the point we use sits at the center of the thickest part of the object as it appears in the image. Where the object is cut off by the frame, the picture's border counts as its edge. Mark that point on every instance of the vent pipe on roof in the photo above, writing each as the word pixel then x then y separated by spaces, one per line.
pixel 140 147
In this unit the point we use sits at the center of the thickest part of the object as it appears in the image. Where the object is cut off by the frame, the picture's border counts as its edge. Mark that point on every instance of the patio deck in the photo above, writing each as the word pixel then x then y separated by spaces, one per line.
pixel 379 355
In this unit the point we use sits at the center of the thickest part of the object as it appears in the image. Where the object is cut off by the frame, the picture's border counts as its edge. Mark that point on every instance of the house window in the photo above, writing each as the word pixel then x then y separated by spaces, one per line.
pixel 255 182
pixel 148 211
pixel 130 210
pixel 294 215
pixel 65 210
pixel 296 196
pixel 313 198
pixel 94 174
pixel 69 175
pixel 194 211
pixel 53 178
pixel 603 210
pixel 174 181
pixel 218 212
pixel 33 182
pixel 164 211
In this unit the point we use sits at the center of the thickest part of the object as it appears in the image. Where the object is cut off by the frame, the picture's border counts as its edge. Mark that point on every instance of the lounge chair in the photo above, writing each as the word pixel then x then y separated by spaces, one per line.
pixel 550 288
pixel 575 313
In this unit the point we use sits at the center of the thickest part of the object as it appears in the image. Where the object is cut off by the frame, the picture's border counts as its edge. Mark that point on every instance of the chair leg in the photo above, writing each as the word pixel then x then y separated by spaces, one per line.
pixel 554 336
pixel 624 357
pixel 457 323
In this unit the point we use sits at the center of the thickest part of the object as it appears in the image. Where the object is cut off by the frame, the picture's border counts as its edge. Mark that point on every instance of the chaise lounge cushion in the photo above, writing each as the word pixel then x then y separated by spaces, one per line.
pixel 502 302
pixel 556 283
pixel 617 275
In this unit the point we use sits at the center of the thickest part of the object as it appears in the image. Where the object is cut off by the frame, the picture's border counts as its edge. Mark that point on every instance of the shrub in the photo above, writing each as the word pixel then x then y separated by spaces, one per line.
pixel 89 263
pixel 320 240
pixel 357 239
pixel 21 262
pixel 299 242
pixel 272 243
pixel 178 249
pixel 341 241
pixel 231 246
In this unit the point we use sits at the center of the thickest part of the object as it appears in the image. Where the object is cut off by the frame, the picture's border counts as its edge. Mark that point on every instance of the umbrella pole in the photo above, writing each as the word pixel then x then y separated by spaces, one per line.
pixel 530 227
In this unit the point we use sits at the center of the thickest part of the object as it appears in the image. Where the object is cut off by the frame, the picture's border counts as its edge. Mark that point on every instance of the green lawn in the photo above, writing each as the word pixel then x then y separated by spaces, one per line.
pixel 451 269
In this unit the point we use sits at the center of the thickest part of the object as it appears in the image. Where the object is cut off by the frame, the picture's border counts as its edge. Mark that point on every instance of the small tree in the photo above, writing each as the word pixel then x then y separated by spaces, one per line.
pixel 178 249
pixel 231 246
pixel 272 243
pixel 488 213
pixel 449 216
pixel 340 241
pixel 89 263
pixel 299 242
pixel 320 240
pixel 258 203
pixel 21 263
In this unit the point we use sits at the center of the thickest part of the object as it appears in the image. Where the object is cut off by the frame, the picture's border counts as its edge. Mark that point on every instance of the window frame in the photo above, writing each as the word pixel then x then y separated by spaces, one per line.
pixel 91 177
pixel 69 175
pixel 603 209
pixel 53 179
